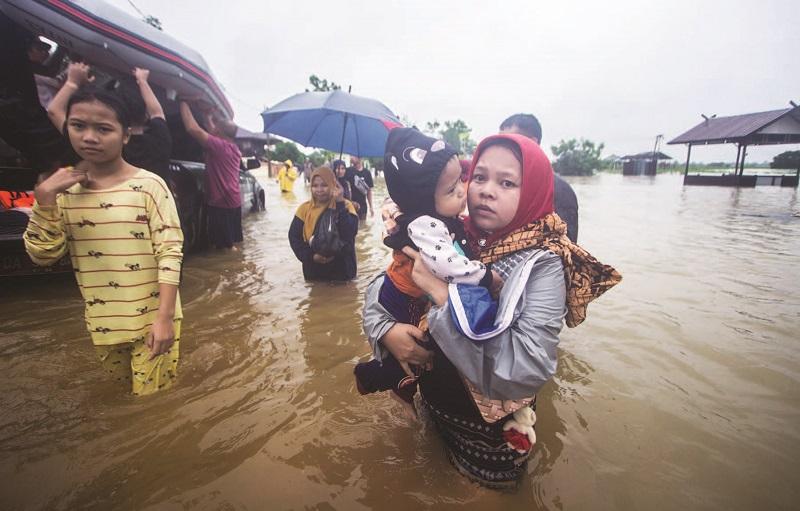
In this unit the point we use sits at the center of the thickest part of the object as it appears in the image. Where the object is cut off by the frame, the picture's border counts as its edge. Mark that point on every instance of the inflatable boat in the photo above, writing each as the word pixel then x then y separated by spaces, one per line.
pixel 116 40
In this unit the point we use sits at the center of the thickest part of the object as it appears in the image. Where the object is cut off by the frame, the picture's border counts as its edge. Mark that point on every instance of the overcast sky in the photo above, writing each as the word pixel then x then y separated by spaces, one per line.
pixel 618 72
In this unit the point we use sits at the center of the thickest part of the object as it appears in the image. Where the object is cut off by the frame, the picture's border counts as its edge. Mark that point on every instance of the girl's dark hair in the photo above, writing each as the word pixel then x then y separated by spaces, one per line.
pixel 338 163
pixel 508 144
pixel 89 93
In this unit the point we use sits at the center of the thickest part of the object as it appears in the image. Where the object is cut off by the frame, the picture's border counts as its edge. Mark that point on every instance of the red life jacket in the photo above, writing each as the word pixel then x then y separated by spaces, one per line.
pixel 10 200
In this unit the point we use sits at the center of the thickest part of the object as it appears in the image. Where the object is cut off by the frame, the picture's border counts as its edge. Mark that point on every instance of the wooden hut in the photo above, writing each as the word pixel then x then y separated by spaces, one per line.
pixel 760 128
pixel 642 164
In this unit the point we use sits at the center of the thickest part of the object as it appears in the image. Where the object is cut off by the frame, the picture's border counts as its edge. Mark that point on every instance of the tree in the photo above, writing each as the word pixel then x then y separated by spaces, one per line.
pixel 456 133
pixel 322 85
pixel 288 151
pixel 786 160
pixel 577 157
pixel 319 157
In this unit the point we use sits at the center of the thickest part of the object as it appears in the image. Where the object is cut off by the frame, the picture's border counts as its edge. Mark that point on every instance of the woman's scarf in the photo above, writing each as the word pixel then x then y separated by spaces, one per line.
pixel 535 225
pixel 586 277
pixel 536 194
pixel 310 211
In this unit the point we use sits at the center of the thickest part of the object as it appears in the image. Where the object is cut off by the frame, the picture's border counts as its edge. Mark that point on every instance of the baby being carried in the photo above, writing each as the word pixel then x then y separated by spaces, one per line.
pixel 424 178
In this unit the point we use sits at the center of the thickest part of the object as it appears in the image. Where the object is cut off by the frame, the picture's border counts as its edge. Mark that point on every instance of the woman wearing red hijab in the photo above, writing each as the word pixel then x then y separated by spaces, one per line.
pixel 474 387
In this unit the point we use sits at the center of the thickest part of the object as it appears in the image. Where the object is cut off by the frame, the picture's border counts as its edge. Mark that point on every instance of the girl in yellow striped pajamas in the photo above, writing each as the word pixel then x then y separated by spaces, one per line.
pixel 121 229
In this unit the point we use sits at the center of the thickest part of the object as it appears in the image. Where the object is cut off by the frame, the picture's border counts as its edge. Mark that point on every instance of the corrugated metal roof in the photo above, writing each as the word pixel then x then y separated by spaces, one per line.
pixel 647 155
pixel 729 128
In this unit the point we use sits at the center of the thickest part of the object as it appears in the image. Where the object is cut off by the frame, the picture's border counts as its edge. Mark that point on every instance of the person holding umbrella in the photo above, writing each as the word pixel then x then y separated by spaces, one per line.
pixel 361 185
pixel 337 121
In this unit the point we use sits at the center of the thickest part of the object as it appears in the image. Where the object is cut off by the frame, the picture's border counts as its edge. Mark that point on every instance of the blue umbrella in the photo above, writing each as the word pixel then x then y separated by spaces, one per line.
pixel 336 121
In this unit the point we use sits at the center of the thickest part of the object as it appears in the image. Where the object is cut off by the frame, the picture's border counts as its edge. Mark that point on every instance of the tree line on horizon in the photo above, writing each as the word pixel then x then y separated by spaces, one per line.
pixel 573 157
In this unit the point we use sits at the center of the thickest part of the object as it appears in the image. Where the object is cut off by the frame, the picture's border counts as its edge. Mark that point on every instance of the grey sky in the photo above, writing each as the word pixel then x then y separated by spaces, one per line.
pixel 616 72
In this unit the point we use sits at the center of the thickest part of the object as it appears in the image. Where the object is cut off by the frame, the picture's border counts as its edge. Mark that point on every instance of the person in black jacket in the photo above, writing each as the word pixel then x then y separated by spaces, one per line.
pixel 326 194
pixel 566 202
pixel 150 145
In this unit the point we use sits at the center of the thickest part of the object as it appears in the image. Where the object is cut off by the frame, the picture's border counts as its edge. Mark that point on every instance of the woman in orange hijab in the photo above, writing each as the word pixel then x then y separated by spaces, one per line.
pixel 326 194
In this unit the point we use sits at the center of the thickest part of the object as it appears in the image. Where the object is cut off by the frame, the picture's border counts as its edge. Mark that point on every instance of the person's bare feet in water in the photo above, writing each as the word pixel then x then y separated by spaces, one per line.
pixel 408 408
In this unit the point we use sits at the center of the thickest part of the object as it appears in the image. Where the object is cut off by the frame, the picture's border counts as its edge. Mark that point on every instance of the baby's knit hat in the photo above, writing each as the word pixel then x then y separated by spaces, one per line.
pixel 412 165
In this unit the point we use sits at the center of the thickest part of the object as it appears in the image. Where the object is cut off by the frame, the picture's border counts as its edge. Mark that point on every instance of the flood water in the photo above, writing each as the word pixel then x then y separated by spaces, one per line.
pixel 681 390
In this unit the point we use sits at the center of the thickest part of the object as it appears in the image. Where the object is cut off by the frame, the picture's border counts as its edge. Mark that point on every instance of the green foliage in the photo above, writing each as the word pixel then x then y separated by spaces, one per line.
pixel 287 151
pixel 577 157
pixel 456 133
pixel 322 85
pixel 319 157
pixel 786 160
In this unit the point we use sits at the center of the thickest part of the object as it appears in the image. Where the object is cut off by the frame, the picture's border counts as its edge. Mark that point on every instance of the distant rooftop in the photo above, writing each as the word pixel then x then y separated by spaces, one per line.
pixel 760 128
pixel 647 155
pixel 242 133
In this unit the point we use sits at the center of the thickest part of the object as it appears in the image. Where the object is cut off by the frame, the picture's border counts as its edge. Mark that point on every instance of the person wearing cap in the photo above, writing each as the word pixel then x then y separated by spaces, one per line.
pixel 361 184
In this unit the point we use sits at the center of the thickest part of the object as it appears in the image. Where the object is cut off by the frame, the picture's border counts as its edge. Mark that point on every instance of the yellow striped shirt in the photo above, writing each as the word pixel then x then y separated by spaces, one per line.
pixel 123 241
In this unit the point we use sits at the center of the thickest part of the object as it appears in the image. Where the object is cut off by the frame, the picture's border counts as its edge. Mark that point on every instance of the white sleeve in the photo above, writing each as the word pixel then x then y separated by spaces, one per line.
pixel 436 247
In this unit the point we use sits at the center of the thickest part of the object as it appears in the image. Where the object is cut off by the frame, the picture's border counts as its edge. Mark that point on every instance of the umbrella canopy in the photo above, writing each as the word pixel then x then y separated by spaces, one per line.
pixel 336 121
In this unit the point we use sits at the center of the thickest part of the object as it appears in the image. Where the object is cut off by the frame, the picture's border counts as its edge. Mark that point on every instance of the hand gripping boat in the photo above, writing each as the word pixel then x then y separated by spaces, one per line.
pixel 116 40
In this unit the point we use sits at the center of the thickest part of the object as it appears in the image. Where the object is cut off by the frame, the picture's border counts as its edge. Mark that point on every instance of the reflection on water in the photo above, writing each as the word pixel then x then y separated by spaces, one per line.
pixel 679 392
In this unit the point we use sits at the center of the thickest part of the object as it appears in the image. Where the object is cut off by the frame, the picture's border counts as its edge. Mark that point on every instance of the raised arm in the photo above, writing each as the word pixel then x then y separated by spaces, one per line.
pixel 77 76
pixel 151 103
pixel 191 126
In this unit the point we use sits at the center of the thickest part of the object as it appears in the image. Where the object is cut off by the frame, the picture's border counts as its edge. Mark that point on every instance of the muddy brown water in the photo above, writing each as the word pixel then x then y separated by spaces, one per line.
pixel 679 392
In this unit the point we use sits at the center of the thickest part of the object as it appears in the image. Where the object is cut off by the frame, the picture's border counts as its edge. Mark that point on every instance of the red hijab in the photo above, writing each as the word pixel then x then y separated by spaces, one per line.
pixel 536 195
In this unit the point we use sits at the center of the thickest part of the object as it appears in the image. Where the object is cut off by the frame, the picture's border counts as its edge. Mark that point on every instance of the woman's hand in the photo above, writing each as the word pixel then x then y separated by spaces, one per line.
pixel 46 191
pixel 389 213
pixel 401 341
pixel 338 192
pixel 78 74
pixel 161 337
pixel 427 281
pixel 497 284
pixel 141 74
pixel 321 259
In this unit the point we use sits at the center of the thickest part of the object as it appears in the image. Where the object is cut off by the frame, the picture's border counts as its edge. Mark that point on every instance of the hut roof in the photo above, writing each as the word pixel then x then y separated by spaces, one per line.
pixel 243 134
pixel 647 155
pixel 772 127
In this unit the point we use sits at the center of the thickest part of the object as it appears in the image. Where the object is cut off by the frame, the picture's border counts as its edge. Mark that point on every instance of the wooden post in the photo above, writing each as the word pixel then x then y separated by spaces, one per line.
pixel 738 155
pixel 744 153
pixel 688 155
